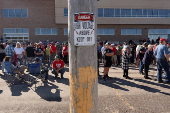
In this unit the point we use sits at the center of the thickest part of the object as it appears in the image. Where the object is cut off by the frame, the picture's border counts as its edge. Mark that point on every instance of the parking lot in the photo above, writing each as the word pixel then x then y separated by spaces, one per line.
pixel 116 95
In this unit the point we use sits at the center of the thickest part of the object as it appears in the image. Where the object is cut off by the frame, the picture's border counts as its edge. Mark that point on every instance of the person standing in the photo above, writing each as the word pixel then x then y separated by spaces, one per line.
pixel 19 52
pixel 162 58
pixel 47 50
pixel 39 52
pixel 2 55
pixel 102 52
pixel 147 59
pixel 141 55
pixel 132 51
pixel 9 50
pixel 125 62
pixel 29 52
pixel 65 53
pixel 53 52
pixel 114 57
pixel 108 53
pixel 58 47
pixel 118 53
pixel 154 59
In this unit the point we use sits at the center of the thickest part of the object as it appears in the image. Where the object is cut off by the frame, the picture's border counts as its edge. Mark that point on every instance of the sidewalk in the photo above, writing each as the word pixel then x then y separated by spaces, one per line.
pixel 116 95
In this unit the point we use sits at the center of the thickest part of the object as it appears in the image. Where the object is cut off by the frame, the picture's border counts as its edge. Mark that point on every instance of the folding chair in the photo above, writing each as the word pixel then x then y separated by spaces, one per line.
pixel 34 69
pixel 8 73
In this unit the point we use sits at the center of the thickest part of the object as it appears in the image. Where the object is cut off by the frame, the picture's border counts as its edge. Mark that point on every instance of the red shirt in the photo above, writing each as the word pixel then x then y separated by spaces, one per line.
pixel 58 65
pixel 54 49
pixel 154 49
pixel 114 50
pixel 64 50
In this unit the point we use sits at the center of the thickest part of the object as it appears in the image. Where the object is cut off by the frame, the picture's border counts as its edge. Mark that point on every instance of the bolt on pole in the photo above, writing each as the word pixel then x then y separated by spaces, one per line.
pixel 82 33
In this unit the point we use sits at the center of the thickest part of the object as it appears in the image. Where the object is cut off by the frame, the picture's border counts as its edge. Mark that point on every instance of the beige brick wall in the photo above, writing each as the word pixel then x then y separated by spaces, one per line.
pixel 125 38
pixel 41 14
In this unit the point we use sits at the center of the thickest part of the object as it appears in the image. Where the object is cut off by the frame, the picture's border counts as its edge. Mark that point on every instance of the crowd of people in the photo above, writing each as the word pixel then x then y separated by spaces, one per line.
pixel 142 55
pixel 54 55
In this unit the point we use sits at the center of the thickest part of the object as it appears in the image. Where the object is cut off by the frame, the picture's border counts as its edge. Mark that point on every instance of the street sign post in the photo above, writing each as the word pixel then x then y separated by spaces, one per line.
pixel 84 34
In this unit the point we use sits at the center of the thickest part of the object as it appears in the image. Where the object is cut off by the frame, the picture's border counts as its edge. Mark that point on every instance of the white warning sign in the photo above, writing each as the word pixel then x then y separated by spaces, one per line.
pixel 84 33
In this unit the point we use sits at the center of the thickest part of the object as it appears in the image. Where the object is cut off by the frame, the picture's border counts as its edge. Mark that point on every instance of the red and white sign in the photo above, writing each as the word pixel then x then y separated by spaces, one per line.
pixel 84 29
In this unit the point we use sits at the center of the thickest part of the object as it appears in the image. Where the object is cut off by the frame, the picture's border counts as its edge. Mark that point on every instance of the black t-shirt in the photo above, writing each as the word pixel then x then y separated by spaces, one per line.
pixel 142 55
pixel 108 51
pixel 30 51
pixel 38 50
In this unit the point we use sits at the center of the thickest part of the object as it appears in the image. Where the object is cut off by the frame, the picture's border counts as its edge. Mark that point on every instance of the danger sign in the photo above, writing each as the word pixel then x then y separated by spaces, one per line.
pixel 84 29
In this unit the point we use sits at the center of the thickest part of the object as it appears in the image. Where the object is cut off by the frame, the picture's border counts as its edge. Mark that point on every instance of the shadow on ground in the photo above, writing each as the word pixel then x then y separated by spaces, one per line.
pixel 1 91
pixel 17 86
pixel 49 92
pixel 118 82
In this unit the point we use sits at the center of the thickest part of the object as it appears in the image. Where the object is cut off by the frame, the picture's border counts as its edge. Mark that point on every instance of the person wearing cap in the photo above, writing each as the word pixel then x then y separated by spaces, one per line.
pixel 58 47
pixel 108 53
pixel 162 58
pixel 125 62
pixel 9 50
pixel 58 67
pixel 141 55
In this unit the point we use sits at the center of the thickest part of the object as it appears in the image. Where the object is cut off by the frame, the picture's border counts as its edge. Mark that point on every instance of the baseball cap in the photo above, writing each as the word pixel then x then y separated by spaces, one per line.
pixel 9 41
pixel 163 39
pixel 112 44
pixel 107 44
pixel 56 56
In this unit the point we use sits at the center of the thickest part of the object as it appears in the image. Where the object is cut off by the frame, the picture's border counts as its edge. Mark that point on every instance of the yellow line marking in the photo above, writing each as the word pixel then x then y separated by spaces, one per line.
pixel 120 96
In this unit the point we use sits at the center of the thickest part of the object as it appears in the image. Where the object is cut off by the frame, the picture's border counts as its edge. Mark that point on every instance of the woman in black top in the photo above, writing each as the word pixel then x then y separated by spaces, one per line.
pixel 108 53
pixel 39 52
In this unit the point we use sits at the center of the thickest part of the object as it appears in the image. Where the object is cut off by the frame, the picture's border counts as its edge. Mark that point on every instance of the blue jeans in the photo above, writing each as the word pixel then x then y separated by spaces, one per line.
pixel 46 73
pixel 25 60
pixel 40 60
pixel 50 61
pixel 141 66
pixel 162 64
pixel 61 71
pixel 118 59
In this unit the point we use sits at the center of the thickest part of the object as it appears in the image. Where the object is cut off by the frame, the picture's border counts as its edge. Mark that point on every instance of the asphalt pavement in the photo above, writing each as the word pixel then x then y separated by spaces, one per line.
pixel 116 95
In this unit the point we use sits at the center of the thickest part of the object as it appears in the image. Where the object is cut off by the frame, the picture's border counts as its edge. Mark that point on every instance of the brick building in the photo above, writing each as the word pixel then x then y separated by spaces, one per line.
pixel 118 20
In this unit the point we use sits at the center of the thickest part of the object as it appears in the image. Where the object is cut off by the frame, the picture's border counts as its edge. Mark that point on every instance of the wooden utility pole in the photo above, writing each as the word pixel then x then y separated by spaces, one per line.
pixel 83 59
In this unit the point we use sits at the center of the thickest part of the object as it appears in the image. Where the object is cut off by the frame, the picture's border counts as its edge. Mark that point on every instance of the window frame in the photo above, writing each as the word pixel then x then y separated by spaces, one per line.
pixel 45 30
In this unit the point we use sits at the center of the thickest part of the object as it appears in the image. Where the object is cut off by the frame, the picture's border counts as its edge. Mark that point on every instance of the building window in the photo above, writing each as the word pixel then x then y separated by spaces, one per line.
pixel 142 13
pixel 100 12
pixel 14 13
pixel 45 31
pixel 162 33
pixel 131 31
pixel 66 31
pixel 65 12
pixel 16 34
pixel 105 31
